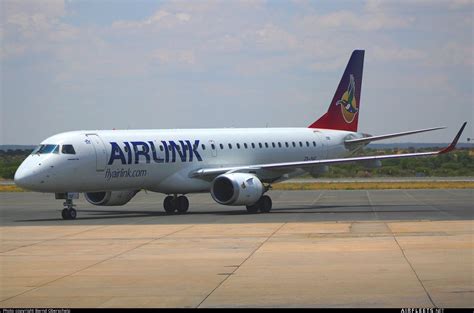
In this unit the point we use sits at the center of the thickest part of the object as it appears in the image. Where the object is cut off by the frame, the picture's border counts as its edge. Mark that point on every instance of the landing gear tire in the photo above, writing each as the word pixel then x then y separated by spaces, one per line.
pixel 69 214
pixel 72 214
pixel 265 204
pixel 252 209
pixel 169 204
pixel 182 204
pixel 65 214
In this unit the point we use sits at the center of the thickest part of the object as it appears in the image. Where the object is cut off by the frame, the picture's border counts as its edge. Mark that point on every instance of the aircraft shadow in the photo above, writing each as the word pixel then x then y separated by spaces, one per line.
pixel 97 214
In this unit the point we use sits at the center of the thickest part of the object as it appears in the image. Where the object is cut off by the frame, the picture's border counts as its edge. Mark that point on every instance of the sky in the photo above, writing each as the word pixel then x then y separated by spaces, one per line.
pixel 76 65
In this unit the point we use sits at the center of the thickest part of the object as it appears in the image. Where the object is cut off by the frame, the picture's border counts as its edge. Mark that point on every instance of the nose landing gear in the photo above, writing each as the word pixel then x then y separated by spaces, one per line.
pixel 68 213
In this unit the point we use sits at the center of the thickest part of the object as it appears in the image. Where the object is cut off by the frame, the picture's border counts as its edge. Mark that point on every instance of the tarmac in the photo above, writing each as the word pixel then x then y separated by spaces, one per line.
pixel 377 248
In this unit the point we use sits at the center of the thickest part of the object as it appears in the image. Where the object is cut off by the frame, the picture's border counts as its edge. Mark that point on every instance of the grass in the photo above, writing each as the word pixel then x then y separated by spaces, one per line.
pixel 10 188
pixel 375 185
pixel 344 185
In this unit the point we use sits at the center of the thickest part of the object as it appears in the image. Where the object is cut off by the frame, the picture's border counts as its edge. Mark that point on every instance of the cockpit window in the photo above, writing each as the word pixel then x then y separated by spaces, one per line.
pixel 35 150
pixel 43 149
pixel 68 149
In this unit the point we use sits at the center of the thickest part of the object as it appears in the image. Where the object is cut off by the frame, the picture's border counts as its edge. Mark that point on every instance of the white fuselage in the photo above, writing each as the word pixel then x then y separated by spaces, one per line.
pixel 162 160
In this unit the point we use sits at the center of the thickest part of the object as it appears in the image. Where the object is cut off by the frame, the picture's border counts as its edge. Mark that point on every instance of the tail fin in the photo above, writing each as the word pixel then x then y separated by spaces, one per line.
pixel 343 113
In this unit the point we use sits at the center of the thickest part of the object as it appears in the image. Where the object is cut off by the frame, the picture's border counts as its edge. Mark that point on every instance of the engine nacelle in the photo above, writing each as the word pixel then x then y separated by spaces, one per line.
pixel 110 198
pixel 237 189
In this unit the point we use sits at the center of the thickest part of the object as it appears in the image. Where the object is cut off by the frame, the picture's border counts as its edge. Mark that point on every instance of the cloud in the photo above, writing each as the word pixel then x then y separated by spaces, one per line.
pixel 160 20
pixel 234 45
pixel 452 54
pixel 175 57
pixel 32 26
pixel 348 20
pixel 28 18
pixel 271 37
pixel 385 53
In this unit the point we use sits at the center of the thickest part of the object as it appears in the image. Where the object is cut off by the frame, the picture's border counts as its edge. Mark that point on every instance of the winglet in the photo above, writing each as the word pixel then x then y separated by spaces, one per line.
pixel 452 146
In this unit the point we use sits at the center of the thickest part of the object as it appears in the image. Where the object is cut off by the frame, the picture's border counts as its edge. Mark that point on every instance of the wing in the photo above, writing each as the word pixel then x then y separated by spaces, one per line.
pixel 370 138
pixel 209 173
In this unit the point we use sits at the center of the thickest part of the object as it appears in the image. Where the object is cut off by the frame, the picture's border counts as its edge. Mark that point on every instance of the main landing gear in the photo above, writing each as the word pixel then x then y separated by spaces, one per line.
pixel 177 204
pixel 264 205
pixel 69 213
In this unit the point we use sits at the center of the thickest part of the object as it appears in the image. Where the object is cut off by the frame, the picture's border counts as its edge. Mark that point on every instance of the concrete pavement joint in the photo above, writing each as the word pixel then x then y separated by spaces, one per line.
pixel 55 238
pixel 430 205
pixel 413 269
pixel 237 267
pixel 319 197
pixel 371 204
pixel 97 263
pixel 68 235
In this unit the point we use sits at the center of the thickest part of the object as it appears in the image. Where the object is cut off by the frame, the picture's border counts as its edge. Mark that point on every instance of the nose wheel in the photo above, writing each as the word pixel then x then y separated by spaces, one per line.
pixel 69 213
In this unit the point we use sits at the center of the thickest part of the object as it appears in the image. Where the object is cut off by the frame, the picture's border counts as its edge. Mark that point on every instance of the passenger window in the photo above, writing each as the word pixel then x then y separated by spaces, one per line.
pixel 260 145
pixel 279 145
pixel 314 143
pixel 273 145
pixel 230 146
pixel 294 144
pixel 266 144
pixel 203 147
pixel 67 149
pixel 245 145
pixel 253 145
pixel 213 146
pixel 222 146
pixel 301 144
pixel 161 148
pixel 287 145
pixel 238 146
pixel 307 144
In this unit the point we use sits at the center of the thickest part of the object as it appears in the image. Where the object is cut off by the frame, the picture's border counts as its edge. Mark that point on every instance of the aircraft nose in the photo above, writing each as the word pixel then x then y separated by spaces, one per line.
pixel 24 177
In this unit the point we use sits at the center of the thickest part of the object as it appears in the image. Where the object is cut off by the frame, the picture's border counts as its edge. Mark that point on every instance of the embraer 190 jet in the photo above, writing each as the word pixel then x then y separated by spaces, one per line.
pixel 237 166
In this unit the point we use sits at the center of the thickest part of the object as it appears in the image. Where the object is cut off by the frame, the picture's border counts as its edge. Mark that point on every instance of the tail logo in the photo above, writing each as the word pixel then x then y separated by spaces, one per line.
pixel 348 102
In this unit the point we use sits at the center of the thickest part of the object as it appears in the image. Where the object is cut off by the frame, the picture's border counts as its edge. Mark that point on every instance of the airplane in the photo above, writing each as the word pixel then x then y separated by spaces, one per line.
pixel 236 165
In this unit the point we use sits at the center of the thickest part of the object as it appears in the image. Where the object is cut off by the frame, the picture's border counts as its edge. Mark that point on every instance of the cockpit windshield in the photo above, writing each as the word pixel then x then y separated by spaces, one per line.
pixel 44 149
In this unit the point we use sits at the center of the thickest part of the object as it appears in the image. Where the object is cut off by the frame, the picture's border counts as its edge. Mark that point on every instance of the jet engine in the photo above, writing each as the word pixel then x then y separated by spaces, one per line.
pixel 110 198
pixel 237 189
